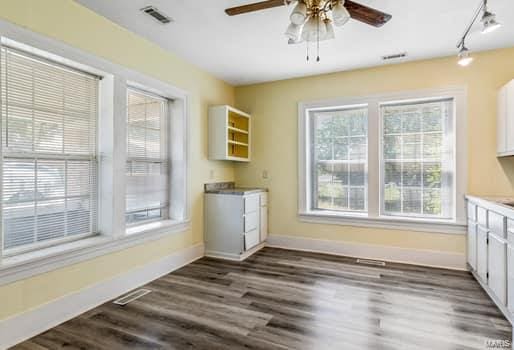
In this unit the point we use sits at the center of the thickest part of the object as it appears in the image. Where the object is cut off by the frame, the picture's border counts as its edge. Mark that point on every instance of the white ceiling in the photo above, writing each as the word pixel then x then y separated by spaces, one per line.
pixel 252 48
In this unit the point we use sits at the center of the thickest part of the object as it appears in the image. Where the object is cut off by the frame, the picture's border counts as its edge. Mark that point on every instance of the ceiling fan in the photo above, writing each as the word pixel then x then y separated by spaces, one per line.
pixel 357 11
pixel 312 20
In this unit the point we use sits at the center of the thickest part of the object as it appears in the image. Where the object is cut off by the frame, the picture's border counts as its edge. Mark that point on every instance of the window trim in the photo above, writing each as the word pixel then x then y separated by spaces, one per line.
pixel 113 234
pixel 373 218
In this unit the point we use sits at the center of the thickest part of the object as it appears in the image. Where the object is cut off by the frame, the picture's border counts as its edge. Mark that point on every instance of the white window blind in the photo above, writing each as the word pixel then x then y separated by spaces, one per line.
pixel 49 169
pixel 340 155
pixel 147 157
pixel 417 159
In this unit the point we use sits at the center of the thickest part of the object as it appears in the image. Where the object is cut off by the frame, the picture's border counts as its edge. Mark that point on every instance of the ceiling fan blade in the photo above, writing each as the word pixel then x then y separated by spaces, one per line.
pixel 367 14
pixel 263 5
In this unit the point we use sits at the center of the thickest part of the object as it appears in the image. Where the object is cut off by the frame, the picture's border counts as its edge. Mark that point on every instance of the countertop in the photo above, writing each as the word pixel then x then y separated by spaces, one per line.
pixel 495 203
pixel 229 188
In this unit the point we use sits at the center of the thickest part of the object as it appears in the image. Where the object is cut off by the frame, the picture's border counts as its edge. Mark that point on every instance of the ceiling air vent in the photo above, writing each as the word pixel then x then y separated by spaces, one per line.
pixel 395 56
pixel 156 14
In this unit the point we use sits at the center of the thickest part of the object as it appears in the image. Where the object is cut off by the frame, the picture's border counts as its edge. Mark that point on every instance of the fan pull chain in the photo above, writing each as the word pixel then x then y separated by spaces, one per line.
pixel 307 43
pixel 317 41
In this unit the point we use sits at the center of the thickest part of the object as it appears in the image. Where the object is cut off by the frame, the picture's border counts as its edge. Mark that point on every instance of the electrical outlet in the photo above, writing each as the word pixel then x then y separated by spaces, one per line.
pixel 265 174
pixel 211 174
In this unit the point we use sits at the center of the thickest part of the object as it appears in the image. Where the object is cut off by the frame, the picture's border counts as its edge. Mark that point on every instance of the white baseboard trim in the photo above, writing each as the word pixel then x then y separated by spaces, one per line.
pixel 430 258
pixel 28 324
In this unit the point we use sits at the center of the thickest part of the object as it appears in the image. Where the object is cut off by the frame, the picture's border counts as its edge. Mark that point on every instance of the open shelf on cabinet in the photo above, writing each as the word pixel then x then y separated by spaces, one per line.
pixel 229 134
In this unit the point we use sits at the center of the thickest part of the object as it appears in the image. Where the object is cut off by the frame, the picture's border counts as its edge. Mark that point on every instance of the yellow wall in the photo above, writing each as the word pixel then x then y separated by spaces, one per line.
pixel 69 22
pixel 275 142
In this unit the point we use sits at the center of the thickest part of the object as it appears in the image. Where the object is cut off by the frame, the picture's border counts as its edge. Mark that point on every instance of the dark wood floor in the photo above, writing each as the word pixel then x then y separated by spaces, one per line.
pixel 279 299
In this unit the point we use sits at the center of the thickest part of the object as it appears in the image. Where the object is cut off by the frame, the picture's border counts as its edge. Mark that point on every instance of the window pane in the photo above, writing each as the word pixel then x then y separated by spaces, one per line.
pixel 417 159
pixel 49 151
pixel 146 169
pixel 340 159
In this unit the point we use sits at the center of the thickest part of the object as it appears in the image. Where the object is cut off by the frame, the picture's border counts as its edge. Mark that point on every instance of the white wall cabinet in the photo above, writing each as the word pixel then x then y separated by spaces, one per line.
pixel 505 120
pixel 491 250
pixel 229 134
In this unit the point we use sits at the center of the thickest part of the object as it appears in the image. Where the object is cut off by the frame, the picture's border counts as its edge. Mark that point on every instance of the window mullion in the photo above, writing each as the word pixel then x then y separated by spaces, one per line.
pixel 374 157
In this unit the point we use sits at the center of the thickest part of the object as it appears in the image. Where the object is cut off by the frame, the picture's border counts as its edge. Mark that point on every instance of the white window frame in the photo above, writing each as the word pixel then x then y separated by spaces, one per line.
pixel 165 142
pixel 113 234
pixel 373 217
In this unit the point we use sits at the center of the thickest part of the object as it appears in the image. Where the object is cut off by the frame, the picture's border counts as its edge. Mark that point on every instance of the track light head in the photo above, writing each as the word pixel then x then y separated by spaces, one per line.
pixel 465 57
pixel 489 22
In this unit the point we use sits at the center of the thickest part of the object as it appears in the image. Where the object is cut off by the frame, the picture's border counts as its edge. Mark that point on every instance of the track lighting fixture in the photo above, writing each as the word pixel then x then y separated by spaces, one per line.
pixel 489 23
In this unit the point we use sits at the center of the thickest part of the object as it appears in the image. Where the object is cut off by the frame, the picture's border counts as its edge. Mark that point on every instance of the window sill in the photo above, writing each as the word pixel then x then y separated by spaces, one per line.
pixel 36 262
pixel 154 227
pixel 391 223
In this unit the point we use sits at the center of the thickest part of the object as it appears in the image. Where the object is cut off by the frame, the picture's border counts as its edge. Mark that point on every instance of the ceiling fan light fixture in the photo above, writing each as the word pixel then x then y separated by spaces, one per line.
pixel 310 29
pixel 329 30
pixel 299 14
pixel 465 57
pixel 489 22
pixel 294 32
pixel 340 14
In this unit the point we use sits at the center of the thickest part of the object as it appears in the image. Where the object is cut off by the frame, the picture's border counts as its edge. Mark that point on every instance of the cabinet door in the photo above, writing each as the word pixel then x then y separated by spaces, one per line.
pixel 498 267
pixel 472 245
pixel 510 278
pixel 501 121
pixel 481 260
pixel 264 223
pixel 510 117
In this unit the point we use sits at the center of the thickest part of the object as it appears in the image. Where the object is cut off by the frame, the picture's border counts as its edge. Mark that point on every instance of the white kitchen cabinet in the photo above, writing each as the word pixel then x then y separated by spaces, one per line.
pixel 481 253
pixel 472 245
pixel 229 134
pixel 497 267
pixel 510 278
pixel 491 254
pixel 233 223
pixel 505 120
pixel 264 216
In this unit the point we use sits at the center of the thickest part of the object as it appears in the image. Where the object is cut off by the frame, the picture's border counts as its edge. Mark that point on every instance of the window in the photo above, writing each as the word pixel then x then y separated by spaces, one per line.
pixel 386 160
pixel 49 169
pixel 417 159
pixel 147 158
pixel 340 159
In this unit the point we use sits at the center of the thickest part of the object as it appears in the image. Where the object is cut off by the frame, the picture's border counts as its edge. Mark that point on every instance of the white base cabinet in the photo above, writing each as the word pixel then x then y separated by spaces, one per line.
pixel 497 267
pixel 235 225
pixel 490 255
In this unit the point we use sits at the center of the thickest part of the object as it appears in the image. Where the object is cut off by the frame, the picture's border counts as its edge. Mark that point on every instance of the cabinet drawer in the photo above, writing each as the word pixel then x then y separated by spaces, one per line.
pixel 264 199
pixel 251 239
pixel 251 221
pixel 472 212
pixel 497 224
pixel 251 203
pixel 482 216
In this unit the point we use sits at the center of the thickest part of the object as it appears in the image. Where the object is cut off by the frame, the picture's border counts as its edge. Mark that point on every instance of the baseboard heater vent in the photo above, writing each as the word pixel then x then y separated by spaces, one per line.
pixel 371 262
pixel 124 300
